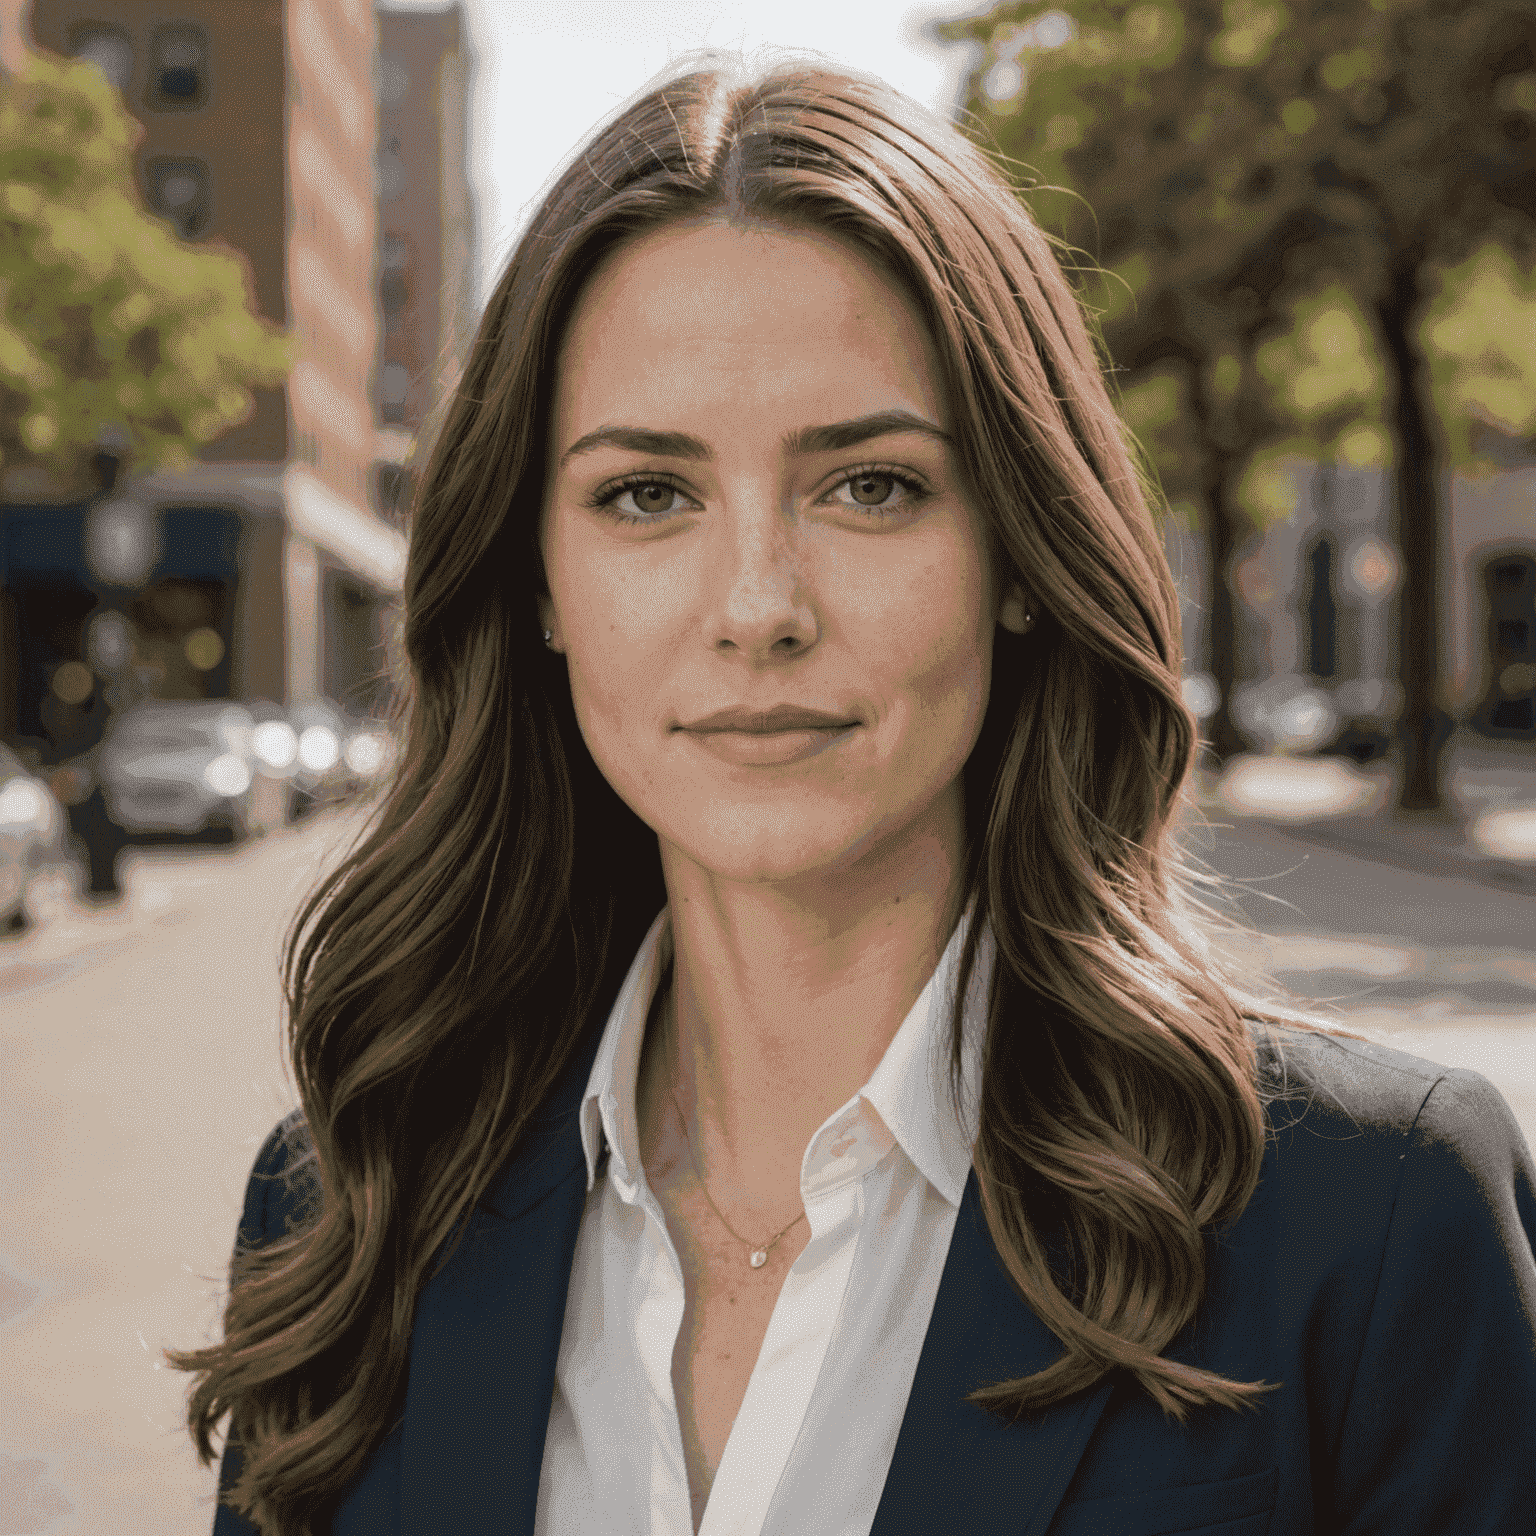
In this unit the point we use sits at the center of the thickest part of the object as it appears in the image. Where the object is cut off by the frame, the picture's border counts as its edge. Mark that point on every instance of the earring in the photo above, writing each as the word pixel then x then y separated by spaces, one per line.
pixel 547 636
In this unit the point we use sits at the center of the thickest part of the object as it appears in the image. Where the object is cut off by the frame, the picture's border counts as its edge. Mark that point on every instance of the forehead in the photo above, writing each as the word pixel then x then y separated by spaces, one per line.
pixel 713 310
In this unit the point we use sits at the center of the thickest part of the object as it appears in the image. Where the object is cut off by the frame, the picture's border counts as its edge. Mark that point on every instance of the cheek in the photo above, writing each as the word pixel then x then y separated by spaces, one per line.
pixel 948 687
pixel 930 625
pixel 608 670
pixel 620 626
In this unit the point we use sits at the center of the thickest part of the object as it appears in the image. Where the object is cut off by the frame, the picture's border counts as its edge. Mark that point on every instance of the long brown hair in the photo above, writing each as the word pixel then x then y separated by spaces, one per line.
pixel 443 976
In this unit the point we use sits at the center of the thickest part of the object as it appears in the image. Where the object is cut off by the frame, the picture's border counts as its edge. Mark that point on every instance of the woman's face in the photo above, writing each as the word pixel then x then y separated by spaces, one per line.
pixel 753 506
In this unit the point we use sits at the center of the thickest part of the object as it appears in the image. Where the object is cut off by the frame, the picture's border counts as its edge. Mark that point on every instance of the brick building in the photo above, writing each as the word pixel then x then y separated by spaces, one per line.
pixel 260 130
pixel 427 246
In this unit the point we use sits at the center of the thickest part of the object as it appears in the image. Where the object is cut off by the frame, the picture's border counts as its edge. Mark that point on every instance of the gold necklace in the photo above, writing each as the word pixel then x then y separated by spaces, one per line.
pixel 759 1255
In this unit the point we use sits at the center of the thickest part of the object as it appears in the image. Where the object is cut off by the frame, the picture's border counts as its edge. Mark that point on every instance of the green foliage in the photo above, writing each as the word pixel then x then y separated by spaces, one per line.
pixel 1325 378
pixel 1263 184
pixel 1325 363
pixel 109 324
pixel 1271 185
pixel 1480 338
pixel 1155 408
pixel 1156 137
pixel 1267 489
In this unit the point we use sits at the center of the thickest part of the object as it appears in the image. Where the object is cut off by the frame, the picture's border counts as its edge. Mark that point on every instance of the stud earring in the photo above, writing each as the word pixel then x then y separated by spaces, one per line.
pixel 546 636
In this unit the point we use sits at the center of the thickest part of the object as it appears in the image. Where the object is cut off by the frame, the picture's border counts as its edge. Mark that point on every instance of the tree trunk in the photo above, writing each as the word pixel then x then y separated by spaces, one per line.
pixel 1220 521
pixel 1423 725
pixel 1221 734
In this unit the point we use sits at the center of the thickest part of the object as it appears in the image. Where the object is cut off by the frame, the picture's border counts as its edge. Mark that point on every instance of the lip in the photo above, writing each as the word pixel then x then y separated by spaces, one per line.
pixel 768 749
pixel 768 722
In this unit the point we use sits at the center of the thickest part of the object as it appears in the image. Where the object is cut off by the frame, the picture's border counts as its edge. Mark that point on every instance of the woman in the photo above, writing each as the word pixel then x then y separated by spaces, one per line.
pixel 762 1068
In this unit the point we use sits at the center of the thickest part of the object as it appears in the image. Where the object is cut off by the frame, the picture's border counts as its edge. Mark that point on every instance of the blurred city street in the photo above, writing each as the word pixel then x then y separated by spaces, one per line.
pixel 144 1064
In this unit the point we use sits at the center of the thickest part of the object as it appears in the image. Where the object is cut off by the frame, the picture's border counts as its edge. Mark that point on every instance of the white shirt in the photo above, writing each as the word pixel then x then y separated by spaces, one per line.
pixel 811 1445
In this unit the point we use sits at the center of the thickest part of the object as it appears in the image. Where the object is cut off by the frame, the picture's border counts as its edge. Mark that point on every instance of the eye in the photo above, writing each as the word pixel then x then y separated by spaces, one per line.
pixel 640 499
pixel 872 490
pixel 650 498
pixel 880 490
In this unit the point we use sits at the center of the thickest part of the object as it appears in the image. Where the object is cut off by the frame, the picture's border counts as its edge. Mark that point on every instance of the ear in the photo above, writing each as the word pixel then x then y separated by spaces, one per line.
pixel 1016 612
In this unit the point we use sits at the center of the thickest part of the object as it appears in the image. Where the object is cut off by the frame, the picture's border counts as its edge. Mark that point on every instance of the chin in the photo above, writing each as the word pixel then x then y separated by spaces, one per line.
pixel 762 844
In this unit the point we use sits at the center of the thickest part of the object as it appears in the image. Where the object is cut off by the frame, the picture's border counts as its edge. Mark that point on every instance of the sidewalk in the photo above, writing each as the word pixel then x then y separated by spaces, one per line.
pixel 162 887
pixel 1488 833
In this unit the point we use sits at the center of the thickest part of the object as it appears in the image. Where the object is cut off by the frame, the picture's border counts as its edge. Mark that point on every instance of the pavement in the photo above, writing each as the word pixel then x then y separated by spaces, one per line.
pixel 1487 832
pixel 143 1063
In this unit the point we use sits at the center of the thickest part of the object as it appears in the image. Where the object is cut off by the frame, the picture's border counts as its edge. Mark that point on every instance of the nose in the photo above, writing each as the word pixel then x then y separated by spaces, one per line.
pixel 761 607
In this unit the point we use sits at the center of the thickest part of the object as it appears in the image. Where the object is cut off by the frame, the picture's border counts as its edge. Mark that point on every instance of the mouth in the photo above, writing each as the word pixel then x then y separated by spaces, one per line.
pixel 768 722
pixel 769 739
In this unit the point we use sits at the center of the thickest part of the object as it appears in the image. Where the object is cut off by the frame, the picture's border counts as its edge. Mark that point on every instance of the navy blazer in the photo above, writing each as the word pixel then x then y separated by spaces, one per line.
pixel 1383 1273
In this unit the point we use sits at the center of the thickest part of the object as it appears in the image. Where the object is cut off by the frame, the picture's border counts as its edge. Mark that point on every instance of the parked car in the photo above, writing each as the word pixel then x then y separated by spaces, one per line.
pixel 334 755
pixel 179 766
pixel 1286 712
pixel 32 829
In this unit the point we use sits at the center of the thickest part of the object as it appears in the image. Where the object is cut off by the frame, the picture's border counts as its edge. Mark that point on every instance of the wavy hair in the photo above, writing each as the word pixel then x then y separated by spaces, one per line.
pixel 443 976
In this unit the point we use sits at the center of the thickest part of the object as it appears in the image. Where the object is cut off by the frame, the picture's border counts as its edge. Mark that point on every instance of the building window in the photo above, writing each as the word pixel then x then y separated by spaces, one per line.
pixel 1322 611
pixel 109 49
pixel 391 172
pixel 394 82
pixel 393 487
pixel 1510 581
pixel 179 192
pixel 178 68
pixel 394 382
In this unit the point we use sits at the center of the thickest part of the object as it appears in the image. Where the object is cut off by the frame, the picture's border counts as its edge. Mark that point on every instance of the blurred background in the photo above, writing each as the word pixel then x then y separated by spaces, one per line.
pixel 245 246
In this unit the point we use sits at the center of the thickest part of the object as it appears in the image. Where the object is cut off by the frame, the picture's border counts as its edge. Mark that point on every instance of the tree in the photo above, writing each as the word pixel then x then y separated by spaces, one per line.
pixel 1160 143
pixel 114 334
pixel 1435 162
pixel 1480 338
pixel 1228 160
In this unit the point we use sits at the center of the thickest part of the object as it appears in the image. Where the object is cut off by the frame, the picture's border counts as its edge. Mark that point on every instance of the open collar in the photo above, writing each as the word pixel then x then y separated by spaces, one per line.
pixel 909 1089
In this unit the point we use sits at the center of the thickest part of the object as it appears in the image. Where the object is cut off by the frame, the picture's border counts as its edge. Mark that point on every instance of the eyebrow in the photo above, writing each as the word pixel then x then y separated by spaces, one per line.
pixel 825 439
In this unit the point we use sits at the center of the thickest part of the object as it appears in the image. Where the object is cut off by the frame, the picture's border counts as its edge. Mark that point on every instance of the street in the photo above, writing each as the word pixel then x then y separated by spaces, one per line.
pixel 143 1065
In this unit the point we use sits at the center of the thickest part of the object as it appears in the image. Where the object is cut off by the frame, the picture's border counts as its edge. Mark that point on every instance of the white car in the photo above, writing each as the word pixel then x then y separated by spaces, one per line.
pixel 32 837
pixel 180 766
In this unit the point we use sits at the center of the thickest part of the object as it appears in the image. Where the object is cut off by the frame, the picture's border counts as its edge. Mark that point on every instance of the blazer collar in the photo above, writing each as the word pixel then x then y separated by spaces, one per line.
pixel 487 1336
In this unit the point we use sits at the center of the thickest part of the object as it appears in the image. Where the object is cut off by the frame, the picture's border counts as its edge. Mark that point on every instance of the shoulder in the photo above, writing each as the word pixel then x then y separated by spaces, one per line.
pixel 1399 1235
pixel 1438 1140
pixel 284 1184
pixel 1329 1078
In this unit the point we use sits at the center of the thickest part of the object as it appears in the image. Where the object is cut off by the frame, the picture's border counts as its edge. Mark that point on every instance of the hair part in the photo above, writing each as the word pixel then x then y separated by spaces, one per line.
pixel 443 977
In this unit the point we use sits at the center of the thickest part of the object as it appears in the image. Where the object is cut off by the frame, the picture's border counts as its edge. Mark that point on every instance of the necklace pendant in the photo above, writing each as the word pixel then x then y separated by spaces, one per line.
pixel 759 1258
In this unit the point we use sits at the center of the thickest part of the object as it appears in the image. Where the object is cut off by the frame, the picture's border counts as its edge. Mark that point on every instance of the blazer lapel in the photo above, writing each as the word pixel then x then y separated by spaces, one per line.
pixel 486 1338
pixel 956 1467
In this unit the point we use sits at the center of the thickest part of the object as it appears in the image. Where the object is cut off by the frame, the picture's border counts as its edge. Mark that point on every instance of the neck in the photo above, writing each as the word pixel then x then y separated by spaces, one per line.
pixel 779 1008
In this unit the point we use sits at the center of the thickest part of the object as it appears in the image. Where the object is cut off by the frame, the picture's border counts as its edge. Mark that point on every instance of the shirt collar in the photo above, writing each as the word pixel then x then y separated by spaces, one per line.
pixel 909 1089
